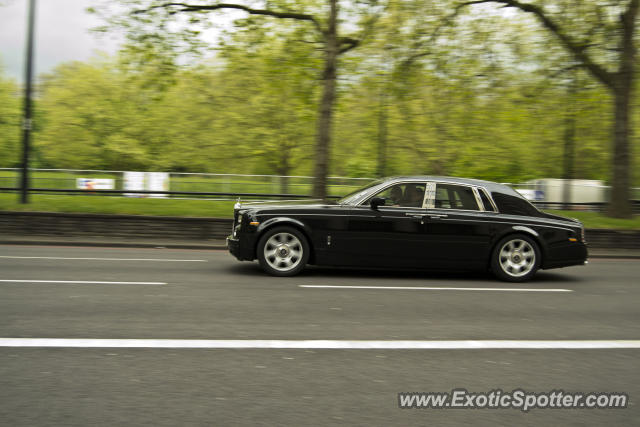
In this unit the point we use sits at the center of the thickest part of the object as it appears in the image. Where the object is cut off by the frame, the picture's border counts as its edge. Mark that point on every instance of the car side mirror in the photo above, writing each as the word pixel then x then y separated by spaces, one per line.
pixel 377 201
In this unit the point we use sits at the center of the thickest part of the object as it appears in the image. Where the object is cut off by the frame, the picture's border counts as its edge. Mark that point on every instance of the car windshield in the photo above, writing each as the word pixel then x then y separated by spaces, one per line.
pixel 356 196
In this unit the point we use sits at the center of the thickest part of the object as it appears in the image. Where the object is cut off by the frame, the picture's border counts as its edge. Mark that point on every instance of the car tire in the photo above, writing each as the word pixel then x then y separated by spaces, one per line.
pixel 283 251
pixel 516 258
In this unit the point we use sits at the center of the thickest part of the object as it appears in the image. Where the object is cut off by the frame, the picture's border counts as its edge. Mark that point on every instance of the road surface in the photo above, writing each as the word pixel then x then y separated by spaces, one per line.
pixel 382 333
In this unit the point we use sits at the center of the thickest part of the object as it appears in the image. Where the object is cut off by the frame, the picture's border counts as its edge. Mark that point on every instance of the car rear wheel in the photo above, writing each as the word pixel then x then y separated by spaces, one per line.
pixel 283 251
pixel 516 258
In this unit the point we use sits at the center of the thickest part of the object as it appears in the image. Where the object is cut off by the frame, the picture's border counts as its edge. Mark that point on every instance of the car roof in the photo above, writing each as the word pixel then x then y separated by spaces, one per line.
pixel 489 185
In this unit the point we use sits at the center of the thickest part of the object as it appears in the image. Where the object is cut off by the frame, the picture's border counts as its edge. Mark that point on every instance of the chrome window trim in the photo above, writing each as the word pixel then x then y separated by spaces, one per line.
pixel 429 201
pixel 458 210
pixel 478 199
pixel 488 194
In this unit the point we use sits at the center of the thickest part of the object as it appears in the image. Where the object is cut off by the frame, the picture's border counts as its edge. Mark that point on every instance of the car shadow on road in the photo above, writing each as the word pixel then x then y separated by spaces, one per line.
pixel 555 276
pixel 254 270
pixel 373 273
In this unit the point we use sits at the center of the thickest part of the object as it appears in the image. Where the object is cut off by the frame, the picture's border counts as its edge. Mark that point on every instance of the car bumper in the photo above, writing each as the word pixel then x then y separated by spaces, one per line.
pixel 234 246
pixel 567 255
pixel 240 248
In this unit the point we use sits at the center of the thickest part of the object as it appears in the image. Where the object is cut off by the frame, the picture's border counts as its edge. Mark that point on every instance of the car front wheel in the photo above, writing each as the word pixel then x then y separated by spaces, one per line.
pixel 516 258
pixel 283 251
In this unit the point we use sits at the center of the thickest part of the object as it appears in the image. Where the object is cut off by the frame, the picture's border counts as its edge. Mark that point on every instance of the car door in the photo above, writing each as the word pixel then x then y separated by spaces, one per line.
pixel 457 228
pixel 391 235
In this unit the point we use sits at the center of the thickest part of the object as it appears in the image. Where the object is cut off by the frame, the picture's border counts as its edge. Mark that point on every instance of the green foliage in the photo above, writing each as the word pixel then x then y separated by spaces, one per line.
pixel 91 118
pixel 238 113
pixel 487 100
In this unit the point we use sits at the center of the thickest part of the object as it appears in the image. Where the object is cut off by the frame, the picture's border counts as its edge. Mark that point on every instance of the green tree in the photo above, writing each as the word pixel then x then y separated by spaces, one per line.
pixel 590 30
pixel 270 82
pixel 90 114
pixel 149 22
pixel 236 114
pixel 482 101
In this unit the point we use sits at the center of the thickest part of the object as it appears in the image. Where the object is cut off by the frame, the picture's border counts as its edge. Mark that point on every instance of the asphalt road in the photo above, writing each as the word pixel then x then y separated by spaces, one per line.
pixel 105 293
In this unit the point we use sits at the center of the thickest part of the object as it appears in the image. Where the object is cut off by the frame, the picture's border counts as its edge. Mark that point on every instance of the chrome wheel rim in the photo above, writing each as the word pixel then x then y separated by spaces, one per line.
pixel 517 257
pixel 283 251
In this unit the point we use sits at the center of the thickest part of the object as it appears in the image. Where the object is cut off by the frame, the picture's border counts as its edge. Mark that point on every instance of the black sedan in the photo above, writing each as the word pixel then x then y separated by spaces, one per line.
pixel 423 222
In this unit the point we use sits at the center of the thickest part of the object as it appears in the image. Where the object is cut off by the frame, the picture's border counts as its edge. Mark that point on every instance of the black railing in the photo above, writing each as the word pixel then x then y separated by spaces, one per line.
pixel 169 193
pixel 592 207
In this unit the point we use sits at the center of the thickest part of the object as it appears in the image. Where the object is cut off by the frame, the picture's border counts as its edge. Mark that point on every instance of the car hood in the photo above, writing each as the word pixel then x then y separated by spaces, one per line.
pixel 286 206
pixel 561 218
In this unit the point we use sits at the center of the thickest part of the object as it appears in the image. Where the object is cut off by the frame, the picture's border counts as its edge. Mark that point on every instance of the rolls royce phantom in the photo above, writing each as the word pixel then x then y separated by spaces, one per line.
pixel 423 222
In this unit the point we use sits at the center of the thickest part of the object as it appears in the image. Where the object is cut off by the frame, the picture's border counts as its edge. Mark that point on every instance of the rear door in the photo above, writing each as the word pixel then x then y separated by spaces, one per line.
pixel 457 228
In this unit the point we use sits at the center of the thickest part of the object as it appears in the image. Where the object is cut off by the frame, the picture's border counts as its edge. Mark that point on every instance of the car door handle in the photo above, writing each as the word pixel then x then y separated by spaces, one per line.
pixel 437 216
pixel 416 216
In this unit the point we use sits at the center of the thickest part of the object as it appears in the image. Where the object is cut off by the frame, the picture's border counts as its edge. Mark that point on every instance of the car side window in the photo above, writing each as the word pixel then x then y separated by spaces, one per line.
pixel 512 205
pixel 409 195
pixel 485 201
pixel 451 196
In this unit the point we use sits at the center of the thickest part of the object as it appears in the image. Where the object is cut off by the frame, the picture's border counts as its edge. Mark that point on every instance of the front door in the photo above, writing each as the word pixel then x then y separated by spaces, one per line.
pixel 394 234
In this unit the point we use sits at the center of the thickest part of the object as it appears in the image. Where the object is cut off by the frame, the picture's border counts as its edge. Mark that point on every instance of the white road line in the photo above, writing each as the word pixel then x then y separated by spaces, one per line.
pixel 319 344
pixel 82 282
pixel 433 288
pixel 105 259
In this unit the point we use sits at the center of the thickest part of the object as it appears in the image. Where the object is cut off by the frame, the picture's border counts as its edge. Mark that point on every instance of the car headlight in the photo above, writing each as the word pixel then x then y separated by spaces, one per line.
pixel 239 219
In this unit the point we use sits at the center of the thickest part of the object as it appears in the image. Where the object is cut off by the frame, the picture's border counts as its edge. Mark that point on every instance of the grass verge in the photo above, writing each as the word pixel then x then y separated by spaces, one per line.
pixel 597 220
pixel 119 205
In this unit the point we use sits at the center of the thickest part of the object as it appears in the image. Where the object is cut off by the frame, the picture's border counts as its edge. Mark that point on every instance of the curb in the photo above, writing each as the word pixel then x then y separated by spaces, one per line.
pixel 612 256
pixel 159 245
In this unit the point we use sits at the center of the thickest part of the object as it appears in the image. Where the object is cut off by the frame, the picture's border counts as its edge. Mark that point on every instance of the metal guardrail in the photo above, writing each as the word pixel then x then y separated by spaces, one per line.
pixel 188 173
pixel 218 186
pixel 588 207
pixel 182 183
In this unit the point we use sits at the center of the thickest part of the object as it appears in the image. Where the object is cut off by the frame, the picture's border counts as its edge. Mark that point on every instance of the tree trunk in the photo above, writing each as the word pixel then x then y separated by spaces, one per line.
pixel 284 184
pixel 323 138
pixel 284 167
pixel 619 204
pixel 568 167
pixel 283 170
pixel 569 156
pixel 382 133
